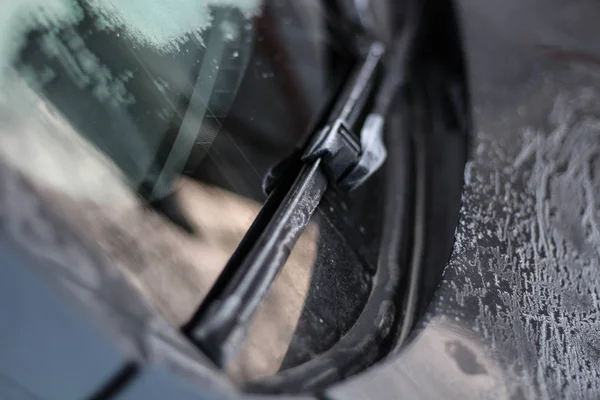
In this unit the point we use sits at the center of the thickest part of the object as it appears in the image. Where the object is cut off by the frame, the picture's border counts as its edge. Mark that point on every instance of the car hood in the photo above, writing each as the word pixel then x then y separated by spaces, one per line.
pixel 516 315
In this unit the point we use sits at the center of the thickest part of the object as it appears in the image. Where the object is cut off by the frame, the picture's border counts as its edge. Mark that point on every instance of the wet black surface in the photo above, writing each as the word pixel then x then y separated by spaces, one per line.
pixel 516 313
pixel 465 359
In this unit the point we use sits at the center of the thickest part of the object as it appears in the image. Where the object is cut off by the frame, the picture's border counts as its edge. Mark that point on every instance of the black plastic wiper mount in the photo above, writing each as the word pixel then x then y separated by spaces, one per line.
pixel 348 159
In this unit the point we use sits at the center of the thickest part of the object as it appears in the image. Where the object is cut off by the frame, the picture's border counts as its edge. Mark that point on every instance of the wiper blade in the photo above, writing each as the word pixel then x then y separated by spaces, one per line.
pixel 349 159
pixel 219 325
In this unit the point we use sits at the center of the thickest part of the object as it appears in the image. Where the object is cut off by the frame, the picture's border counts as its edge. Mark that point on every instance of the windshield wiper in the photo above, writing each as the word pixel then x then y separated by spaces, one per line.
pixel 336 156
pixel 349 159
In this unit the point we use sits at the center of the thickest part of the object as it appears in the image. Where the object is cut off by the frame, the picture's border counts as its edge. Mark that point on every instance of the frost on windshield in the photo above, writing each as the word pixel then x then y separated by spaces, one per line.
pixel 162 25
pixel 19 17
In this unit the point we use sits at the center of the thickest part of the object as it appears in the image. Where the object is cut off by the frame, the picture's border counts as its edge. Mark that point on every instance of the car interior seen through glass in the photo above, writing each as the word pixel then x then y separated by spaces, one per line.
pixel 141 126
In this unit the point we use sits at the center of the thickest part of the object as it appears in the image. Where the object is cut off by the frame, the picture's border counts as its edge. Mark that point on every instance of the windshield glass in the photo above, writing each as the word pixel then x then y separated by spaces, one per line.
pixel 108 106
pixel 152 85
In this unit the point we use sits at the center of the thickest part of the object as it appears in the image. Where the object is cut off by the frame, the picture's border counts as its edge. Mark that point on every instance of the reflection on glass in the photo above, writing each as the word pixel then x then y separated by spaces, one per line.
pixel 117 109
pixel 273 326
pixel 322 289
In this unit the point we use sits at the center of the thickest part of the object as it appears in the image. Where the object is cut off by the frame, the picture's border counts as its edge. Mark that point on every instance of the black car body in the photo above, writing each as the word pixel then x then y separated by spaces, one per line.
pixel 433 277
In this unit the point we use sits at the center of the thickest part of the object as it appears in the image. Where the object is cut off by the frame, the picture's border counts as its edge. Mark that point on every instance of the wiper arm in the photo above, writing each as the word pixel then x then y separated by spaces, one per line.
pixel 349 159
pixel 219 325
